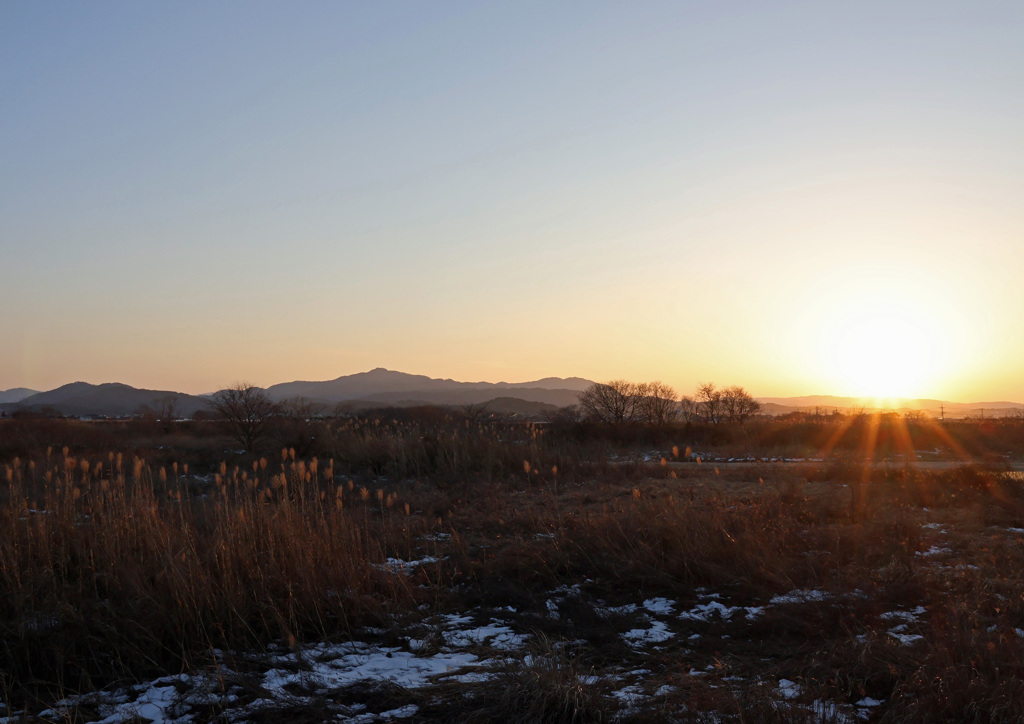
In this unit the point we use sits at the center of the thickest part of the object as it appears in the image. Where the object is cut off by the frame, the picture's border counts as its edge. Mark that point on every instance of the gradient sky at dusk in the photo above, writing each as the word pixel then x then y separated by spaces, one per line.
pixel 794 197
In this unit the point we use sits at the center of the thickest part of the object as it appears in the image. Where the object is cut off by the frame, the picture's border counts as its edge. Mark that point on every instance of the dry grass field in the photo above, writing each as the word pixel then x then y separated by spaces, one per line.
pixel 495 574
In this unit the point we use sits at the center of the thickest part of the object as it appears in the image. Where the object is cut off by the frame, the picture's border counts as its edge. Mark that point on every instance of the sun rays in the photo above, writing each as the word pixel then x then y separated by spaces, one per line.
pixel 890 431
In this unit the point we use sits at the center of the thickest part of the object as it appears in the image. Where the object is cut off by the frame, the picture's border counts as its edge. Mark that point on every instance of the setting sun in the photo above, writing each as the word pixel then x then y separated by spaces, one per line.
pixel 887 341
pixel 886 355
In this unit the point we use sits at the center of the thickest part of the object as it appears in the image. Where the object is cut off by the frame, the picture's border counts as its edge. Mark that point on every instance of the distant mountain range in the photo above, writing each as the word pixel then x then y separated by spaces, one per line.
pixel 81 399
pixel 381 387
pixel 376 388
pixel 398 388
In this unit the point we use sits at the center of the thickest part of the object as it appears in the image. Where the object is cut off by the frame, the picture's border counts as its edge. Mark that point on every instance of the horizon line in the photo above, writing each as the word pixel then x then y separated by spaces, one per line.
pixel 849 399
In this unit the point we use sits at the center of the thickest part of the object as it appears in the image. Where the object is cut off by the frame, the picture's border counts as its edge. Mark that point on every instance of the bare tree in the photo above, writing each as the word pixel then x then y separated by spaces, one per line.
pixel 168 408
pixel 474 413
pixel 737 404
pixel 689 409
pixel 656 403
pixel 612 402
pixel 567 415
pixel 709 399
pixel 246 412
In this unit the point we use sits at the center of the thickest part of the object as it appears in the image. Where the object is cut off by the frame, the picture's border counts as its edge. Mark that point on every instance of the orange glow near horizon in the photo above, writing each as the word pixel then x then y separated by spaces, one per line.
pixel 884 353
pixel 886 333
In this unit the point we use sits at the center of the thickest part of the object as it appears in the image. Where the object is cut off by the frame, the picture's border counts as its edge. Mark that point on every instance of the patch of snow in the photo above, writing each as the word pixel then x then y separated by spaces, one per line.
pixel 788 689
pixel 657 633
pixel 565 591
pixel 709 610
pixel 908 616
pixel 402 711
pixel 154 701
pixel 867 701
pixel 630 696
pixel 397 565
pixel 659 605
pixel 800 596
pixel 339 665
pixel 495 636
pixel 626 610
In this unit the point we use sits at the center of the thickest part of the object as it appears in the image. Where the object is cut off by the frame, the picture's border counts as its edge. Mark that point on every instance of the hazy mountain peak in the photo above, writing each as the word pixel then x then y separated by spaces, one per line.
pixel 16 394
pixel 384 385
pixel 113 399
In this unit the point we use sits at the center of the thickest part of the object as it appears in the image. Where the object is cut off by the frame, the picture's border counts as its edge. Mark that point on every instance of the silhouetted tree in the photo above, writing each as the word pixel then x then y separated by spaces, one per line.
pixel 689 409
pixel 612 402
pixel 656 403
pixel 737 404
pixel 709 400
pixel 246 412
pixel 474 413
pixel 167 408
pixel 731 404
pixel 567 415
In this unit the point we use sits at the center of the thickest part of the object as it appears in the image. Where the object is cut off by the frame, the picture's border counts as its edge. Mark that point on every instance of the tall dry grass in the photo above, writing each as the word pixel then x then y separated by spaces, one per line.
pixel 110 569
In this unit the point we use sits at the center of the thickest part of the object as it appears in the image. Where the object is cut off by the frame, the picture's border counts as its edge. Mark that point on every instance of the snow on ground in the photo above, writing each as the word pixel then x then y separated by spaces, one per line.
pixel 907 618
pixel 800 596
pixel 656 634
pixel 397 565
pixel 659 605
pixel 713 609
pixel 468 648
pixel 789 689
pixel 906 639
pixel 458 648
pixel 494 635
pixel 338 665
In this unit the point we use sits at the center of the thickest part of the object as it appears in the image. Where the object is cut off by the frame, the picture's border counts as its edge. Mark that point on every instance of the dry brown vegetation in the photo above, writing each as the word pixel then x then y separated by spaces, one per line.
pixel 122 566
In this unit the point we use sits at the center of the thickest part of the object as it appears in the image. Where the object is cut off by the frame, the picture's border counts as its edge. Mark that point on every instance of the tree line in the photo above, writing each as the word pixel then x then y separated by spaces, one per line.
pixel 248 414
pixel 655 403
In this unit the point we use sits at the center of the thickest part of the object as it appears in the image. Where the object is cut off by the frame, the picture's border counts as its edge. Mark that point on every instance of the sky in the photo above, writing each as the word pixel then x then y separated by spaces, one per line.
pixel 795 197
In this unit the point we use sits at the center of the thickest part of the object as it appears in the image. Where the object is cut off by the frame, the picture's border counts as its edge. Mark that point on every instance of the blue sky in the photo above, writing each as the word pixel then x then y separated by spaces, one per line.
pixel 195 193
